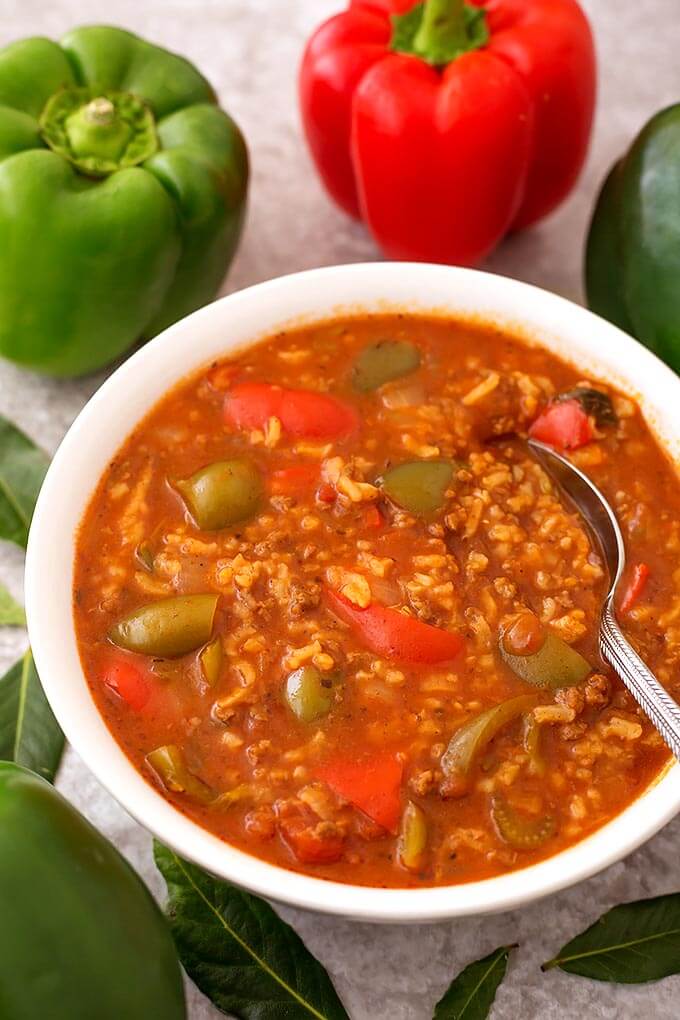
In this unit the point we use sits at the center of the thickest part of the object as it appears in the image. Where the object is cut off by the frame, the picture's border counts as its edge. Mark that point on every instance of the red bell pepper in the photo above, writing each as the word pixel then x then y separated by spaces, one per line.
pixel 564 425
pixel 445 124
pixel 302 413
pixel 636 586
pixel 395 635
pixel 373 785
pixel 129 682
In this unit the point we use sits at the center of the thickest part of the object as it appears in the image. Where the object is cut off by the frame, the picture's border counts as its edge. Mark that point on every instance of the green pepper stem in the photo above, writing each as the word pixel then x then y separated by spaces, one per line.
pixel 443 27
pixel 100 111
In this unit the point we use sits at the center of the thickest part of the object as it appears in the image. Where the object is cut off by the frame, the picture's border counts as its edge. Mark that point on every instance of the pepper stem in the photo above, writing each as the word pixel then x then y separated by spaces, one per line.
pixel 443 28
pixel 440 31
pixel 99 132
pixel 100 111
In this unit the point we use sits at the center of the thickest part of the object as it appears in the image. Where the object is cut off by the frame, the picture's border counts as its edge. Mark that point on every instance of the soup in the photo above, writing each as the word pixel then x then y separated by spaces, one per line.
pixel 330 605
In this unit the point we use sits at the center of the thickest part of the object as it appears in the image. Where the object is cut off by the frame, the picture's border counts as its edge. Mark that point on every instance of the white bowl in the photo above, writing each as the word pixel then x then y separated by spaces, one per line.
pixel 236 321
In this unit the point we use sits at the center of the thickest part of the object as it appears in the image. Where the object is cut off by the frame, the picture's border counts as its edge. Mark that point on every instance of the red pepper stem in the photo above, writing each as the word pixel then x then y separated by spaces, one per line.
pixel 443 27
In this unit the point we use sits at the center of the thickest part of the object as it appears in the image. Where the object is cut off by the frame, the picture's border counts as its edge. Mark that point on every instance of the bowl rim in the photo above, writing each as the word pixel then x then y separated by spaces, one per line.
pixel 109 416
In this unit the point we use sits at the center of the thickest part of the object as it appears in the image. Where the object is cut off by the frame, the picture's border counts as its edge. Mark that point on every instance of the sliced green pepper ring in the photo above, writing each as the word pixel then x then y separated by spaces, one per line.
pixel 382 362
pixel 520 832
pixel 167 628
pixel 418 485
pixel 222 494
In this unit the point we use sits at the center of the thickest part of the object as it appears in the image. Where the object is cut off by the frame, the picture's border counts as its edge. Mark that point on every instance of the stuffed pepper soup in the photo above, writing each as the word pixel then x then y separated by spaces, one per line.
pixel 333 609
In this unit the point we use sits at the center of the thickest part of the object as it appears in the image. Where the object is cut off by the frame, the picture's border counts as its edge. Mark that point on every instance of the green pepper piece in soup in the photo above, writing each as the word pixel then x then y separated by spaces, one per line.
pixel 168 765
pixel 167 628
pixel 382 362
pixel 473 736
pixel 419 485
pixel 306 694
pixel 210 659
pixel 413 837
pixel 222 494
pixel 520 832
pixel 539 658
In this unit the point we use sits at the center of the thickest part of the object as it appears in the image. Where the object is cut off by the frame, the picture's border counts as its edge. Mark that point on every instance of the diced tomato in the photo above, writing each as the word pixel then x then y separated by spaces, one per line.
pixel 302 413
pixel 372 785
pixel 395 635
pixel 290 481
pixel 311 842
pixel 326 493
pixel 635 587
pixel 372 517
pixel 564 425
pixel 128 681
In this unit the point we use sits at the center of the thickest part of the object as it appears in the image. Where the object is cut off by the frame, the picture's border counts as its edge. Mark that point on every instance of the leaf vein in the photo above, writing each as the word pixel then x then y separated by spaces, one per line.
pixel 244 945
pixel 479 984
pixel 601 950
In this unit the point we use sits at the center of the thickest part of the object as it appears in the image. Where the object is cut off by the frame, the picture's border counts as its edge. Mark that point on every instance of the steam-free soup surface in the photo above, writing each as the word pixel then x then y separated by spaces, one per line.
pixel 332 608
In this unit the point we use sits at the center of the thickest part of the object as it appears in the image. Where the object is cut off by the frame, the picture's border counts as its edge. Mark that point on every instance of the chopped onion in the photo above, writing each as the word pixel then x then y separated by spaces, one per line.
pixel 405 394
pixel 384 591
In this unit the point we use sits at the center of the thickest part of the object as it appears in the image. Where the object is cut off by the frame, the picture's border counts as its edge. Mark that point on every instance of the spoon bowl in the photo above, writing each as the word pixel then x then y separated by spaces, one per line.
pixel 615 648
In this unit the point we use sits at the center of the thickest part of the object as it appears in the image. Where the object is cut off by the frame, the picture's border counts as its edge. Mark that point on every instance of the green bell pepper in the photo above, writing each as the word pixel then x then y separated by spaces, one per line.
pixel 81 936
pixel 168 628
pixel 122 196
pixel 633 254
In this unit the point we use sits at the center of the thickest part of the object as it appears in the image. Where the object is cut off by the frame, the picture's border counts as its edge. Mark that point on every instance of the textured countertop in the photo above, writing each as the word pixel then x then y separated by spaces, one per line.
pixel 250 49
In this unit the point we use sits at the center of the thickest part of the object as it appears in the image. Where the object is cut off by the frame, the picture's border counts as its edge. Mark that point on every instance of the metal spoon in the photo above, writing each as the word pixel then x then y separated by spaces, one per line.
pixel 655 701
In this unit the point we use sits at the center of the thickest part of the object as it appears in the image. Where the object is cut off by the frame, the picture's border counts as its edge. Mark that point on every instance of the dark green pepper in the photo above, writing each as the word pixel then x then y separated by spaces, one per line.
pixel 418 485
pixel 633 253
pixel 167 628
pixel 384 361
pixel 222 494
pixel 122 188
pixel 81 936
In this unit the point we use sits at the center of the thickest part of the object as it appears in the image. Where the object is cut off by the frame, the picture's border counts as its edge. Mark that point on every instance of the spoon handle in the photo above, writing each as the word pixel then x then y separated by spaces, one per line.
pixel 640 681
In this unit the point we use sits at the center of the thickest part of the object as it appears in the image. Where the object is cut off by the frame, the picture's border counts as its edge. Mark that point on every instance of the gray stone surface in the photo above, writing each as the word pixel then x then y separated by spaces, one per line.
pixel 250 49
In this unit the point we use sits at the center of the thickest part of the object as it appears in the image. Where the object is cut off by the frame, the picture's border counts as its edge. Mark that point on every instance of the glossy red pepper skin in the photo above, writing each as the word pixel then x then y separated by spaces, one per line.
pixel 442 164
pixel 563 425
pixel 636 587
pixel 129 681
pixel 302 413
pixel 373 785
pixel 395 635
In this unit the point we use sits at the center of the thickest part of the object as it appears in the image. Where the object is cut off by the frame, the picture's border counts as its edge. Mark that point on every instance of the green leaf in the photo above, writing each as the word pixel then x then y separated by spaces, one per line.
pixel 239 952
pixel 630 944
pixel 22 469
pixel 29 733
pixel 11 613
pixel 470 995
